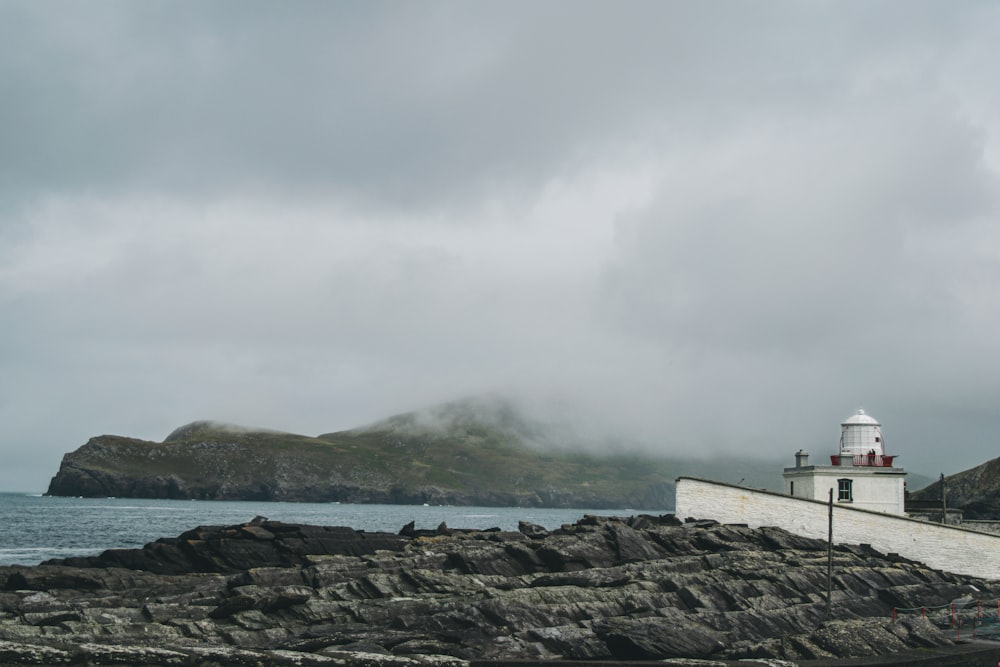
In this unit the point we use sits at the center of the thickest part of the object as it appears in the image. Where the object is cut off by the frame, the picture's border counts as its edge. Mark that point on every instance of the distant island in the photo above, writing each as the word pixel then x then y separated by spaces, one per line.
pixel 481 452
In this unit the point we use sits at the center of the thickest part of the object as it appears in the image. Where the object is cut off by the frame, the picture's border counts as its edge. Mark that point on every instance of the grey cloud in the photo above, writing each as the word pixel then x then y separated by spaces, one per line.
pixel 710 227
pixel 388 102
pixel 839 270
pixel 855 229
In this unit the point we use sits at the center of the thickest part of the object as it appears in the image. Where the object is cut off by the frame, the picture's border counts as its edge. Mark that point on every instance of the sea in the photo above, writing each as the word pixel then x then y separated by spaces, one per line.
pixel 35 528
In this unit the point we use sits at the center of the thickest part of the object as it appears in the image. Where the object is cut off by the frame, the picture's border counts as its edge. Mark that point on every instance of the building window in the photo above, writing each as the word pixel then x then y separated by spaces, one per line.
pixel 845 492
pixel 791 488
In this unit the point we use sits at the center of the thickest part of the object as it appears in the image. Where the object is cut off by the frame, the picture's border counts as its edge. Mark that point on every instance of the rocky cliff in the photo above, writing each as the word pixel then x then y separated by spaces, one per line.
pixel 458 454
pixel 645 587
pixel 354 469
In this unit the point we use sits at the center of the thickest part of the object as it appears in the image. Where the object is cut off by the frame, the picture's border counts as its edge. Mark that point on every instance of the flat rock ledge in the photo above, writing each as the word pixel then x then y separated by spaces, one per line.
pixel 642 588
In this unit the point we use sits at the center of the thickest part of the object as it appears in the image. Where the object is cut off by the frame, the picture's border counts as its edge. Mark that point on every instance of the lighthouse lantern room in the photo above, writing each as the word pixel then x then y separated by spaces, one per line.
pixel 860 474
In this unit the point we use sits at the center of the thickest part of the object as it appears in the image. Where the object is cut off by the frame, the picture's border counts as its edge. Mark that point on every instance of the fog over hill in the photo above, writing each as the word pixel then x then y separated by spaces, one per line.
pixel 471 452
pixel 558 427
pixel 708 233
pixel 208 427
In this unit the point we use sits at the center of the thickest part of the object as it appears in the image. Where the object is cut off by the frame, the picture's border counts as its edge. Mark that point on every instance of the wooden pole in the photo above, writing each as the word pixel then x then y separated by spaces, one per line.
pixel 829 557
pixel 944 502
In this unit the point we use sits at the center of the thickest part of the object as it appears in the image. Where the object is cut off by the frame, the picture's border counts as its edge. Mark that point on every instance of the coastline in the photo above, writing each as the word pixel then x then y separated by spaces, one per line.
pixel 602 589
pixel 41 527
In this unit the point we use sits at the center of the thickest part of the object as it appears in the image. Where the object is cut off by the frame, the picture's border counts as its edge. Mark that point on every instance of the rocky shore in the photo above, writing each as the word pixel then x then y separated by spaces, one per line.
pixel 638 588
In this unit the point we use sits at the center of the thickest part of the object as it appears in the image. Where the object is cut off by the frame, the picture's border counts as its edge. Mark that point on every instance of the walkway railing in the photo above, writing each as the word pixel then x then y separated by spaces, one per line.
pixel 871 460
pixel 981 618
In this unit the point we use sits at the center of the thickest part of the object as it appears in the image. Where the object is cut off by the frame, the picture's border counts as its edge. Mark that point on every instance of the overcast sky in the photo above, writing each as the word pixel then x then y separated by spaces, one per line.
pixel 710 226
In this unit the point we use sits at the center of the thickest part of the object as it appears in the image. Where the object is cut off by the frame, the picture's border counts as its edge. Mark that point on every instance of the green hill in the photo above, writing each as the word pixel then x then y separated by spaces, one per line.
pixel 473 452
pixel 976 490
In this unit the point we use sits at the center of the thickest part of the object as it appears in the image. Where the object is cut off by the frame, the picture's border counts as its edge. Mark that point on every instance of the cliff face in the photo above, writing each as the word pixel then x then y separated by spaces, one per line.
pixel 481 452
pixel 458 463
pixel 643 587
pixel 234 469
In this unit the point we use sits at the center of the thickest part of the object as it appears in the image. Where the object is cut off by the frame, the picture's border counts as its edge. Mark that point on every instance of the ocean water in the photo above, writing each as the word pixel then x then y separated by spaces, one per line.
pixel 34 528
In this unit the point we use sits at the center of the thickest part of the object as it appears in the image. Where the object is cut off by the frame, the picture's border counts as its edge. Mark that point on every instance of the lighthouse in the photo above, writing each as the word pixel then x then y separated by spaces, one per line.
pixel 861 474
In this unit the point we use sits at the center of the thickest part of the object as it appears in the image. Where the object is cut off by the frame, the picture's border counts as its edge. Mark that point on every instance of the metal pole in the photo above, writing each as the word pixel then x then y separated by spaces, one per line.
pixel 829 557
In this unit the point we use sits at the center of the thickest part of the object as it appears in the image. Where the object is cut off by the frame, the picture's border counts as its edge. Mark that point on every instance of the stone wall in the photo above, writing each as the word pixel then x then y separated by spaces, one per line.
pixel 982 525
pixel 943 547
pixel 954 516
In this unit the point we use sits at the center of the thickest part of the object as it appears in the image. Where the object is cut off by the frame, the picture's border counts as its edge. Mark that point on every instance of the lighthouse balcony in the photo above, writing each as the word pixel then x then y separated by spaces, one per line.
pixel 868 460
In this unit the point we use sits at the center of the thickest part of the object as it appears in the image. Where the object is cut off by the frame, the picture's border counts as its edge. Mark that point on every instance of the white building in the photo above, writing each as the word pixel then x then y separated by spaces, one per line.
pixel 861 474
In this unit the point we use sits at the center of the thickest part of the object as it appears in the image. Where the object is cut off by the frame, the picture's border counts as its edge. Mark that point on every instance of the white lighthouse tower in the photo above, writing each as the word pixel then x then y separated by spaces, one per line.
pixel 860 474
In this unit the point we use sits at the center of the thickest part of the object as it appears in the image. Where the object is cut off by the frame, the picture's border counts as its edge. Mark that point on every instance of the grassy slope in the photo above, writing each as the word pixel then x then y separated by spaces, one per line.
pixel 489 444
pixel 466 446
pixel 976 489
pixel 480 463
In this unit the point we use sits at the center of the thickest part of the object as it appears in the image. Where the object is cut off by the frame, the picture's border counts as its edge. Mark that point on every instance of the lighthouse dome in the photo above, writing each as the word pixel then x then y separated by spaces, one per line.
pixel 860 418
pixel 861 434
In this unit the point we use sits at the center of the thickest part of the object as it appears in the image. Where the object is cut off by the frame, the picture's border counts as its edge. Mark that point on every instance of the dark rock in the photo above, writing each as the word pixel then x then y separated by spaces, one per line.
pixel 237 549
pixel 630 545
pixel 531 530
pixel 283 598
pixel 41 618
pixel 232 605
pixel 648 588
pixel 700 523
pixel 656 639
pixel 349 651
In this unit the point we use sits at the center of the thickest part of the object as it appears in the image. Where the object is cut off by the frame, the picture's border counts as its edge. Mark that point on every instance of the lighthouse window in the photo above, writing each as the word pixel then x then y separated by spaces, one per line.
pixel 845 492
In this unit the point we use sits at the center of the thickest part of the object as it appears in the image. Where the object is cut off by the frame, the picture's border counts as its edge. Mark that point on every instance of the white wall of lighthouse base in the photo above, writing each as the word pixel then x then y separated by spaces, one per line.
pixel 939 546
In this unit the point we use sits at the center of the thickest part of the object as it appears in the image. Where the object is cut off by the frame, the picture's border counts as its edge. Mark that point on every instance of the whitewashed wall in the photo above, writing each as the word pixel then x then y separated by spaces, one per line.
pixel 874 488
pixel 942 547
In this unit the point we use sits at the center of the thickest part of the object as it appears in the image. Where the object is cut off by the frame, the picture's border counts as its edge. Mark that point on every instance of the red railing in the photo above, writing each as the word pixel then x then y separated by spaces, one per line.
pixel 871 460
